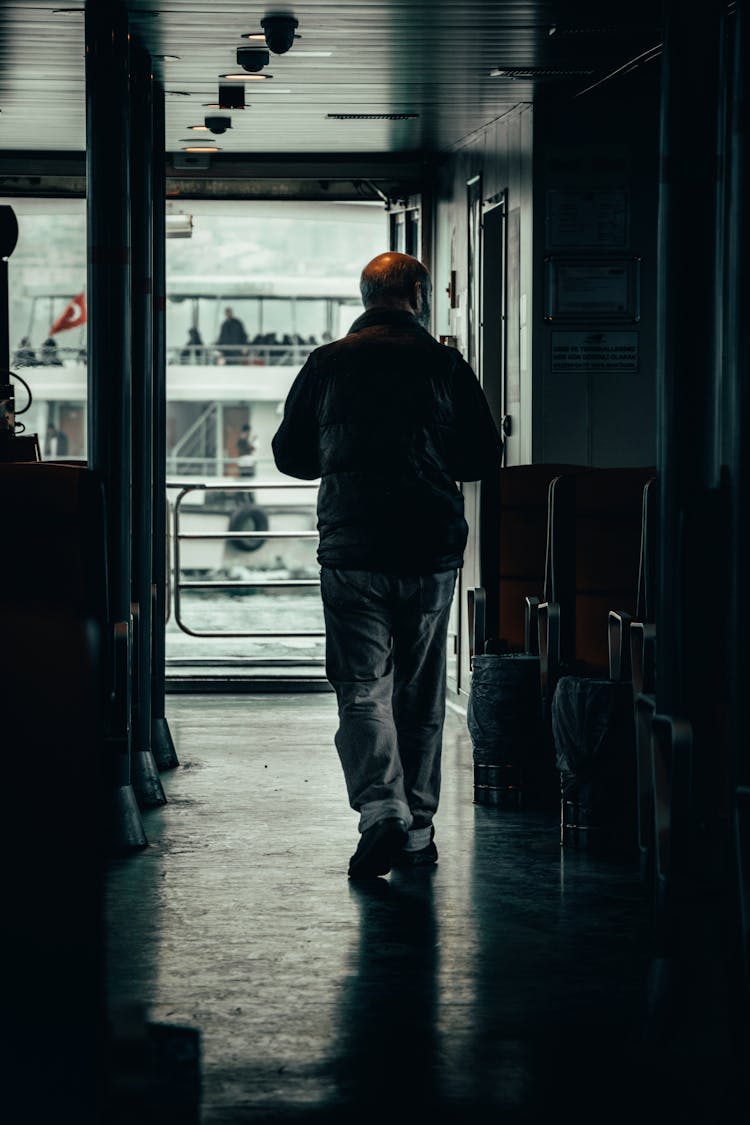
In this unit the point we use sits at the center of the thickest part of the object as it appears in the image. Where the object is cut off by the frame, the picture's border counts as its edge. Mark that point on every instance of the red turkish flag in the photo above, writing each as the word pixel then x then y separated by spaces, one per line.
pixel 73 315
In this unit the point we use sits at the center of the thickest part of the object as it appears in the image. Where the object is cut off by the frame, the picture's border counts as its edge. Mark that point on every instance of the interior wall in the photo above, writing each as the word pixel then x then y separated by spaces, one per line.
pixel 595 209
pixel 501 154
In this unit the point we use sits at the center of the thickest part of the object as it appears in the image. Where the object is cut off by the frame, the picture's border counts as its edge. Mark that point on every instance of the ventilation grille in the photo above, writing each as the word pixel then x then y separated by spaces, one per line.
pixel 565 32
pixel 537 73
pixel 372 116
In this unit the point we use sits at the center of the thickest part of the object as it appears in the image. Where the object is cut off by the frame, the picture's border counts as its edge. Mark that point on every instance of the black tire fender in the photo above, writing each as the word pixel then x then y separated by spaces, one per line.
pixel 248 518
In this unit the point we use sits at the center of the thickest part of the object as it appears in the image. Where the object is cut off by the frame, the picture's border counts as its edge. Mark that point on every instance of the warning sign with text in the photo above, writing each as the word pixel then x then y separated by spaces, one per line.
pixel 582 352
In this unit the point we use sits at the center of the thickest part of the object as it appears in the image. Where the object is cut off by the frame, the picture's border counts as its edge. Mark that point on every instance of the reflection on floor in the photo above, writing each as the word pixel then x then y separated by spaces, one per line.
pixel 508 984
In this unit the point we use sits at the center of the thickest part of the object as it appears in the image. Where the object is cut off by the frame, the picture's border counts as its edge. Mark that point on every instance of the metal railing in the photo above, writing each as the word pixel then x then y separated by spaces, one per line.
pixel 48 355
pixel 179 537
pixel 261 355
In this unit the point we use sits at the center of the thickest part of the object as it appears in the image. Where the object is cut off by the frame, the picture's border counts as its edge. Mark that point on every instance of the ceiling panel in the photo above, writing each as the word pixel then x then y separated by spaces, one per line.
pixel 431 58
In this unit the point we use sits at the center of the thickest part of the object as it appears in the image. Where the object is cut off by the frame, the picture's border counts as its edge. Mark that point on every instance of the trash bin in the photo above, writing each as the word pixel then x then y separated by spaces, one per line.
pixel 504 721
pixel 594 736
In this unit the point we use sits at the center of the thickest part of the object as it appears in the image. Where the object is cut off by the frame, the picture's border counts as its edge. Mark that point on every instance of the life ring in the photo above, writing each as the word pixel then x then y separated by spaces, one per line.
pixel 249 518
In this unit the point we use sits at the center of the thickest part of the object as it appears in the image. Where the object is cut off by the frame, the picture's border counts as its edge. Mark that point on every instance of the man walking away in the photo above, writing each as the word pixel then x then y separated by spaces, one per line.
pixel 389 420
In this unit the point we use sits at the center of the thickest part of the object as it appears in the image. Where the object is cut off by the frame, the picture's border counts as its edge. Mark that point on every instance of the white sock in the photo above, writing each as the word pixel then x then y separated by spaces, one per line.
pixel 418 838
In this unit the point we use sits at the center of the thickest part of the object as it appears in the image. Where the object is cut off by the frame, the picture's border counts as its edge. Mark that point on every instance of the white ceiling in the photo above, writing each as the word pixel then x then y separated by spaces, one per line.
pixel 428 57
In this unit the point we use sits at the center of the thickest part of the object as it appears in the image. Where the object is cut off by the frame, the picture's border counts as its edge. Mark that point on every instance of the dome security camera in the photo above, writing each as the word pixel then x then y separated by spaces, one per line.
pixel 279 31
pixel 252 59
pixel 218 124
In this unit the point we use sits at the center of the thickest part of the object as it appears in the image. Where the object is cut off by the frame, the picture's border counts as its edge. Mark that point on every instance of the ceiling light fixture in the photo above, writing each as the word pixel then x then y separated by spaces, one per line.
pixel 245 77
pixel 198 128
pixel 260 36
pixel 203 148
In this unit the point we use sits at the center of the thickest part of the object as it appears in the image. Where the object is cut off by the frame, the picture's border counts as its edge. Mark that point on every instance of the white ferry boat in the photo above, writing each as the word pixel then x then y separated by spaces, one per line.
pixel 213 390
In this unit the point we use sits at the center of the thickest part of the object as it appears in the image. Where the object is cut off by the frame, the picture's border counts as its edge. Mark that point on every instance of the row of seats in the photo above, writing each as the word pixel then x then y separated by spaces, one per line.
pixel 76 781
pixel 572 570
pixel 57 783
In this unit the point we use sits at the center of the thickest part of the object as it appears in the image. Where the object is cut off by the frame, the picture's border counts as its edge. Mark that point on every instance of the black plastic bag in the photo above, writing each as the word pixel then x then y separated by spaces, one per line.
pixel 594 737
pixel 503 711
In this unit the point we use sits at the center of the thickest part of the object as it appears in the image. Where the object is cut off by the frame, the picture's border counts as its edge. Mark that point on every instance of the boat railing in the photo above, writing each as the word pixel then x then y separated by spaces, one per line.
pixel 180 536
pixel 60 355
pixel 203 355
pixel 245 355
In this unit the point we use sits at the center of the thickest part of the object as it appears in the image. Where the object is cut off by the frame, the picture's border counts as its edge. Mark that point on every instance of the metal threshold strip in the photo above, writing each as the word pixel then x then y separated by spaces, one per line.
pixel 245 685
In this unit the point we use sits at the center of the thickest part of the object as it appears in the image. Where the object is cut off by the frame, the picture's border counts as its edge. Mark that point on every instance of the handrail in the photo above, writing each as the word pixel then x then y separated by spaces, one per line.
pixel 179 537
pixel 276 354
pixel 199 424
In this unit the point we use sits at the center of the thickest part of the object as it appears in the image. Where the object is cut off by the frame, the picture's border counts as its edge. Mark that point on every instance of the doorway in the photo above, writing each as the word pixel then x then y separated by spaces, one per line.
pixel 486 312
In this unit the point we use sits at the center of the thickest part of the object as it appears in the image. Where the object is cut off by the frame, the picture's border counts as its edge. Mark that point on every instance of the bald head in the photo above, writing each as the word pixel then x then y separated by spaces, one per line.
pixel 397 281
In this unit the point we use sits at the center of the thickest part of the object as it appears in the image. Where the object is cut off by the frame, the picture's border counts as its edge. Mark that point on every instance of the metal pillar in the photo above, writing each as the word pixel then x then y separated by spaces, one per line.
pixel 109 386
pixel 162 745
pixel 146 781
pixel 685 314
pixel 738 410
pixel 8 239
pixel 689 750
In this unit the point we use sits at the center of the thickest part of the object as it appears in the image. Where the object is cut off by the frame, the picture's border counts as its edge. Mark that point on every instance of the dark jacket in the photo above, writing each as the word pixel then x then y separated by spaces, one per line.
pixel 389 420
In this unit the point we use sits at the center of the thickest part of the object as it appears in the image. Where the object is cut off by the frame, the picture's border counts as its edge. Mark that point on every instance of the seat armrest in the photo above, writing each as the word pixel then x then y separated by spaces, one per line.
pixel 476 600
pixel 672 767
pixel 649 658
pixel 642 656
pixel 618 636
pixel 549 651
pixel 531 626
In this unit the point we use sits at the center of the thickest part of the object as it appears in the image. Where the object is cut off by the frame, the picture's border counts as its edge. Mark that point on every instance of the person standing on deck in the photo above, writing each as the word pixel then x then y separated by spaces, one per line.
pixel 232 337
pixel 389 420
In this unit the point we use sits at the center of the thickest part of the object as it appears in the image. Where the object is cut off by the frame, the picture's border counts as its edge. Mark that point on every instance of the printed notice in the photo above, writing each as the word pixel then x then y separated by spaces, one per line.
pixel 580 289
pixel 587 218
pixel 584 352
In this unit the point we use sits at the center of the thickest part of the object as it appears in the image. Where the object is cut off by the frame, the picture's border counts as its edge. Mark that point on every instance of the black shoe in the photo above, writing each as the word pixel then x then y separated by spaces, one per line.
pixel 377 848
pixel 424 857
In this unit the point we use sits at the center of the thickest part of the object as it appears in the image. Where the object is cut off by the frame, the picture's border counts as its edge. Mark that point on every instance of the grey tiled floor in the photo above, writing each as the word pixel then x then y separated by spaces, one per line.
pixel 508 984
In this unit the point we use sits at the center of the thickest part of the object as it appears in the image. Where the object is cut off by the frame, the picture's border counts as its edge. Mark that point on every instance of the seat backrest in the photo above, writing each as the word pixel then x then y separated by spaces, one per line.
pixel 519 518
pixel 593 556
pixel 54 548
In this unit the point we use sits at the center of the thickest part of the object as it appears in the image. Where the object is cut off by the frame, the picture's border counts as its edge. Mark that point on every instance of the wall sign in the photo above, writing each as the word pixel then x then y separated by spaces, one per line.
pixel 586 352
pixel 583 219
pixel 590 289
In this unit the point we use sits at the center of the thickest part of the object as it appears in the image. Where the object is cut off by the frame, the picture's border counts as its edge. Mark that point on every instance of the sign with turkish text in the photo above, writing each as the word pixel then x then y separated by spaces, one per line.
pixel 583 352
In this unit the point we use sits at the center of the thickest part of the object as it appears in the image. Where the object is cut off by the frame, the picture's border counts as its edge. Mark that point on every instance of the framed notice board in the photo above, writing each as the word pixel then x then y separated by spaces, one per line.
pixel 582 219
pixel 592 289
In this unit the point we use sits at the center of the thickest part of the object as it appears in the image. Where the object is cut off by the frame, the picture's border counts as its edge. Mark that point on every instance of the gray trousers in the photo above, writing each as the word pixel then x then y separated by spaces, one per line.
pixel 385 658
